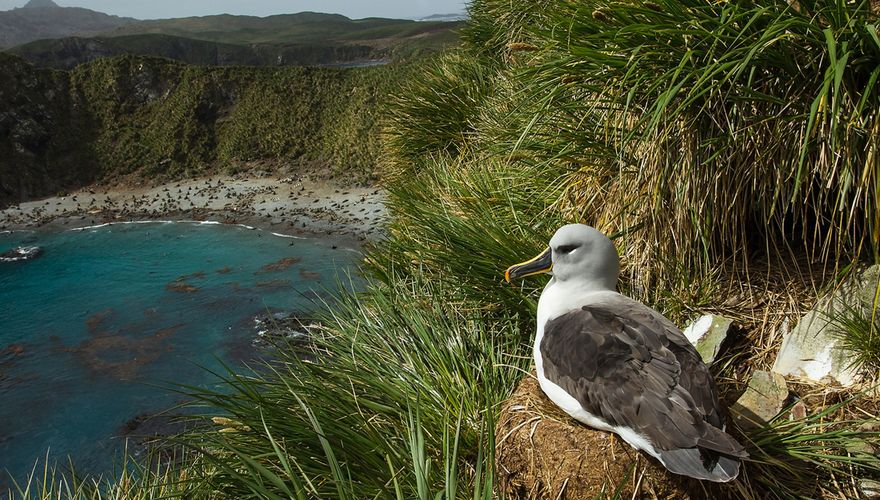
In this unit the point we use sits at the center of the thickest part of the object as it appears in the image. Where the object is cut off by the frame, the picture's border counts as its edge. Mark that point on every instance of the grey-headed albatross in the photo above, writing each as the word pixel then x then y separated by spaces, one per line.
pixel 617 365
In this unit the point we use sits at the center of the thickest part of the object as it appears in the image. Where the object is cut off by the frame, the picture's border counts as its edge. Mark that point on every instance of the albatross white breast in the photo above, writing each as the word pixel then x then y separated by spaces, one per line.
pixel 617 365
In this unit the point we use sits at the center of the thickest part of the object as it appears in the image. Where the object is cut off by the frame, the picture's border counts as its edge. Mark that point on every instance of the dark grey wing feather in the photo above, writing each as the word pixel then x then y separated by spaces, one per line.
pixel 698 381
pixel 625 369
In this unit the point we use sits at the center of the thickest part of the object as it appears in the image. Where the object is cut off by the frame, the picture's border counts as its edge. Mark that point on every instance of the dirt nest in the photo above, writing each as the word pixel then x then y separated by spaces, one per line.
pixel 543 453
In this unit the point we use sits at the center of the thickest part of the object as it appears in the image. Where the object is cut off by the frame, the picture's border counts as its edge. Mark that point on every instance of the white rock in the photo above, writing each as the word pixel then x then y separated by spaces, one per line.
pixel 869 488
pixel 707 334
pixel 810 351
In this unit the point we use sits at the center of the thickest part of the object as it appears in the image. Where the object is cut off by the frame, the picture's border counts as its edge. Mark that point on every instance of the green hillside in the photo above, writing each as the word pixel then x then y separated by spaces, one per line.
pixel 304 27
pixel 147 118
pixel 67 53
pixel 730 149
pixel 284 40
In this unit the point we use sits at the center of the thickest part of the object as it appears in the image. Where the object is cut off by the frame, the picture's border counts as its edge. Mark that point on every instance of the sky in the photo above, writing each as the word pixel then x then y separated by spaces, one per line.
pixel 355 9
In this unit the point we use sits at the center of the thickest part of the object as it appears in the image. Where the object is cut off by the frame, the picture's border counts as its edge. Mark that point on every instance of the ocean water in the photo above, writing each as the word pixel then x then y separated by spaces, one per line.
pixel 93 331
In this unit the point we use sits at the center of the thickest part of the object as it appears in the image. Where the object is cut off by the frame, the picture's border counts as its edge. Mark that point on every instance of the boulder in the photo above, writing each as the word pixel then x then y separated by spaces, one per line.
pixel 707 334
pixel 20 254
pixel 543 453
pixel 764 398
pixel 810 351
pixel 869 488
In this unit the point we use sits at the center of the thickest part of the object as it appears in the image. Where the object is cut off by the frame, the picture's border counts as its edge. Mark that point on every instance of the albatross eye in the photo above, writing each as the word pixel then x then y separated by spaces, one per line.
pixel 566 249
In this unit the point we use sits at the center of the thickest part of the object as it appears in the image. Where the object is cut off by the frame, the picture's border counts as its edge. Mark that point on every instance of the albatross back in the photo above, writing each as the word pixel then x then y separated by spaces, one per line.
pixel 632 369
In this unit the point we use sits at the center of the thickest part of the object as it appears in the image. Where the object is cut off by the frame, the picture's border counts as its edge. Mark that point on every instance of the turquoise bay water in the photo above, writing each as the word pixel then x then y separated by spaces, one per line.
pixel 90 328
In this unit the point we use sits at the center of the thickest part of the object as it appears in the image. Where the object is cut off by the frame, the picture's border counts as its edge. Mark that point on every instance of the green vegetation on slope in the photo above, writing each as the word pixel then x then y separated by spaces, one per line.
pixel 157 119
pixel 286 40
pixel 304 27
pixel 43 138
pixel 67 53
pixel 718 135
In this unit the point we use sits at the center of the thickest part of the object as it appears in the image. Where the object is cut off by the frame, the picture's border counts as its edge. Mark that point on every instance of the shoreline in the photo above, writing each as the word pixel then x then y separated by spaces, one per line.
pixel 286 206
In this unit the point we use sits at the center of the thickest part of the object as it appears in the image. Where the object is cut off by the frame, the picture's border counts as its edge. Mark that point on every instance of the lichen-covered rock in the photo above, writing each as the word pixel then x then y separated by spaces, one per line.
pixel 764 398
pixel 869 488
pixel 810 352
pixel 543 453
pixel 707 334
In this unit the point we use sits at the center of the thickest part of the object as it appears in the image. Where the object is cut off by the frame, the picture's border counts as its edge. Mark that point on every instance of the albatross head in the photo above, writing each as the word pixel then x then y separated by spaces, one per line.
pixel 577 253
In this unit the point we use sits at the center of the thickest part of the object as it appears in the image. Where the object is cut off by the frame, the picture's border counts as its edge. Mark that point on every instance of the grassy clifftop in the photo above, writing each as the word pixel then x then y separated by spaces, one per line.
pixel 67 53
pixel 150 118
pixel 731 151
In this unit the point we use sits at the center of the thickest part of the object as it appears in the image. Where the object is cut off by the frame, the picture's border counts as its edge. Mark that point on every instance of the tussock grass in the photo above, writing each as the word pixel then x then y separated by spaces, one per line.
pixel 710 130
pixel 388 389
pixel 132 480
pixel 857 326
pixel 820 453
pixel 722 145
pixel 435 111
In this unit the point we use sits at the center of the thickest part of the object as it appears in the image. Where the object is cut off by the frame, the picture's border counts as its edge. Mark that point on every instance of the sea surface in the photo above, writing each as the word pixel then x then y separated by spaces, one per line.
pixel 94 330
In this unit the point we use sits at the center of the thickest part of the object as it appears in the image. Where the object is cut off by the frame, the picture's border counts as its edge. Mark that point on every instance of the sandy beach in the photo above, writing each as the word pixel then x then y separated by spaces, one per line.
pixel 286 205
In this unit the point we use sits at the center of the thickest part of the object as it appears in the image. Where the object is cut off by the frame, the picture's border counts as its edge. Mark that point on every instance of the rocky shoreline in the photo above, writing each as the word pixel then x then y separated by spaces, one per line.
pixel 296 207
pixel 287 206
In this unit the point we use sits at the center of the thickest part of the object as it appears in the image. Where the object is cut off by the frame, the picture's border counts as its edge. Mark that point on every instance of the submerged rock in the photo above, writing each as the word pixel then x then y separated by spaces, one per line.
pixel 764 399
pixel 20 254
pixel 309 275
pixel 281 265
pixel 811 352
pixel 282 326
pixel 707 334
pixel 176 286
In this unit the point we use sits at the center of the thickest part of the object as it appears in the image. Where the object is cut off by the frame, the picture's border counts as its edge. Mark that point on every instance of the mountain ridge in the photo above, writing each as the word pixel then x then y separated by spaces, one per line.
pixel 305 38
pixel 40 19
pixel 40 4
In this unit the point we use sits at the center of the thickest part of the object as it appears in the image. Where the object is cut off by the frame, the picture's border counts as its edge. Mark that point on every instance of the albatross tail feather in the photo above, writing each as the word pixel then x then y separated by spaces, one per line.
pixel 700 464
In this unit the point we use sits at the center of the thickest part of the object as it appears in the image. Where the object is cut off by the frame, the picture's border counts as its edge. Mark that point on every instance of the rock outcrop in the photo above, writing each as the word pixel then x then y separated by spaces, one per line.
pixel 42 135
pixel 19 254
pixel 810 352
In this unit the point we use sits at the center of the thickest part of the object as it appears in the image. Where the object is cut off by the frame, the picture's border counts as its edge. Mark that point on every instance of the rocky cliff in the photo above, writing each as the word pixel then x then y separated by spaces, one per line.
pixel 148 119
pixel 43 138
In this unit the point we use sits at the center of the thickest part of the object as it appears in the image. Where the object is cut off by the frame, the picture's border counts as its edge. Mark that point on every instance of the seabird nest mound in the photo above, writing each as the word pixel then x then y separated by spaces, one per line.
pixel 543 453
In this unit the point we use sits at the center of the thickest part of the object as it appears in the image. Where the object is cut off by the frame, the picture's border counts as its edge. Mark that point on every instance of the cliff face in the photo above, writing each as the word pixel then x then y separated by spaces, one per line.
pixel 43 138
pixel 154 119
